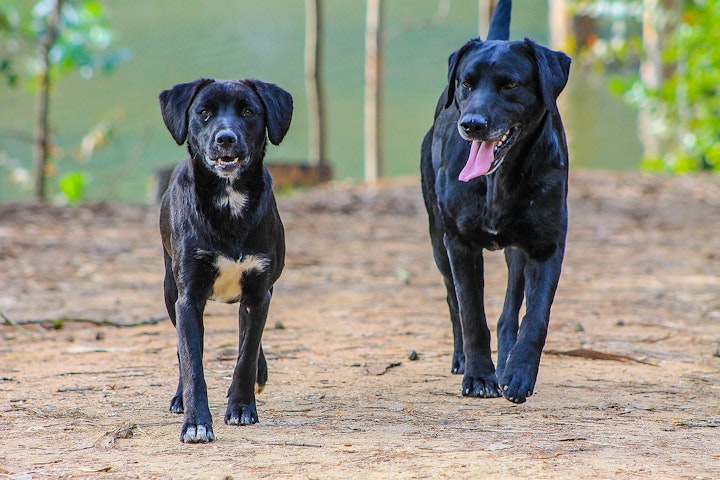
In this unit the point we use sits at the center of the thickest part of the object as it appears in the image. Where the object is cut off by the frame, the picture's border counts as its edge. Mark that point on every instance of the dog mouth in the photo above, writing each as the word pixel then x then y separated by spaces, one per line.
pixel 227 166
pixel 486 156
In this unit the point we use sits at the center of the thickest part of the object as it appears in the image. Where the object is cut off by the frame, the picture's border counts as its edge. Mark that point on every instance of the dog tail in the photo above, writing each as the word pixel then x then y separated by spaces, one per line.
pixel 500 23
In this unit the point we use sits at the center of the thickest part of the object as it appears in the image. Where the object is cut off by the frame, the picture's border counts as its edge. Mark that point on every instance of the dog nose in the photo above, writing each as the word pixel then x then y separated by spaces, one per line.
pixel 225 138
pixel 474 124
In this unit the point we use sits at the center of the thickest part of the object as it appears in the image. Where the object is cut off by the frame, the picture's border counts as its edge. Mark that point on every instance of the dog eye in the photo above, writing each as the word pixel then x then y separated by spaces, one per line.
pixel 205 113
pixel 511 85
pixel 467 85
pixel 247 112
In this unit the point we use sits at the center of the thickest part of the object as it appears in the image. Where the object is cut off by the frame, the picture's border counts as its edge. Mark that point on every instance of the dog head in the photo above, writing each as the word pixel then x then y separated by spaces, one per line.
pixel 502 90
pixel 227 123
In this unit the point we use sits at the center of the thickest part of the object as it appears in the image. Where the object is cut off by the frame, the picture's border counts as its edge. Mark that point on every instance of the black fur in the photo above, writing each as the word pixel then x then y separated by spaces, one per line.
pixel 219 215
pixel 514 199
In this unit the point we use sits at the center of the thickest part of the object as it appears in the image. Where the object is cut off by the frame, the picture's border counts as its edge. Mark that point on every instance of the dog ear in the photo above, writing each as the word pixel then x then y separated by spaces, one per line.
pixel 553 72
pixel 278 108
pixel 453 62
pixel 174 105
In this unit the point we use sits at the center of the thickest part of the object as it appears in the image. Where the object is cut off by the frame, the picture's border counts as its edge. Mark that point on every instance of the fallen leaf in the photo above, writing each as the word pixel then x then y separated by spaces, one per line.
pixel 110 438
pixel 380 368
pixel 596 355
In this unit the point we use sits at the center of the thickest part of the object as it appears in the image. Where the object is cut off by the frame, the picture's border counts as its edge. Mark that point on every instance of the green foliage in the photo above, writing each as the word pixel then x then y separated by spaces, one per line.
pixel 84 36
pixel 691 97
pixel 83 41
pixel 9 31
pixel 72 186
pixel 685 109
pixel 616 44
pixel 81 44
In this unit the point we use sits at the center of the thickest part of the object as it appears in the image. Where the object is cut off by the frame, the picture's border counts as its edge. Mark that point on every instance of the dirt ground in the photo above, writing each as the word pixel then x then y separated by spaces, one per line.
pixel 640 291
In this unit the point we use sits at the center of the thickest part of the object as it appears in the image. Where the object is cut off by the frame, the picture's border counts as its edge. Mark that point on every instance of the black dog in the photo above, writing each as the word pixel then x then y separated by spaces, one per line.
pixel 494 175
pixel 222 235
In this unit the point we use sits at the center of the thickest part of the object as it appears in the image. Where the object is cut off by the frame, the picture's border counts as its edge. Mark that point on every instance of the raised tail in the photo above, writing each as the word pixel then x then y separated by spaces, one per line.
pixel 500 23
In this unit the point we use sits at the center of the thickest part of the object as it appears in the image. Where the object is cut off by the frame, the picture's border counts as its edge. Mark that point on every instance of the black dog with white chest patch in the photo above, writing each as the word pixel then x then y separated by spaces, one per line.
pixel 222 235
pixel 494 175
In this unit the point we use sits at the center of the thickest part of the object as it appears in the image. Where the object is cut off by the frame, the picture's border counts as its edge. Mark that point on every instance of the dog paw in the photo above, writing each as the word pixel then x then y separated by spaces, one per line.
pixel 458 364
pixel 516 387
pixel 197 433
pixel 176 404
pixel 484 387
pixel 241 415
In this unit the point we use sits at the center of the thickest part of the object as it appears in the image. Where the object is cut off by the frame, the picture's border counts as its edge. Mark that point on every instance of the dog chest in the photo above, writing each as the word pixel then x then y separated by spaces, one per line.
pixel 228 286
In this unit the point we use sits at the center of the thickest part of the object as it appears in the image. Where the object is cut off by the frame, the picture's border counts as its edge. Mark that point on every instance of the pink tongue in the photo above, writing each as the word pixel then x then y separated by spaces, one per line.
pixel 479 161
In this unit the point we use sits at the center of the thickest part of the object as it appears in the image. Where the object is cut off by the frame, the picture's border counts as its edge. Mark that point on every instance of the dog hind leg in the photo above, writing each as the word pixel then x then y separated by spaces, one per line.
pixel 458 359
pixel 262 372
pixel 443 264
pixel 171 296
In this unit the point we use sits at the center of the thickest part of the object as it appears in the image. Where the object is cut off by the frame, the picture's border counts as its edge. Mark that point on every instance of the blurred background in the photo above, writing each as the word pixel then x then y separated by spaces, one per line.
pixel 110 59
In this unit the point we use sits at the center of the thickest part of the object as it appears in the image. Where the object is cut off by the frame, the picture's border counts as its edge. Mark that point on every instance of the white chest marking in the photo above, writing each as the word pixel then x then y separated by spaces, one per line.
pixel 228 287
pixel 234 200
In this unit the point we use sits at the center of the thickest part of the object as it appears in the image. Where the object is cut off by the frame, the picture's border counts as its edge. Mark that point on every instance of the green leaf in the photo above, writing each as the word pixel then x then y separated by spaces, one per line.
pixel 72 185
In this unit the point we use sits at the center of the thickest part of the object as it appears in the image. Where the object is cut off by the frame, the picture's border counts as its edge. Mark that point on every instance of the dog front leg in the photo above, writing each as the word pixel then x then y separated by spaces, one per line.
pixel 467 271
pixel 523 362
pixel 241 409
pixel 509 321
pixel 197 426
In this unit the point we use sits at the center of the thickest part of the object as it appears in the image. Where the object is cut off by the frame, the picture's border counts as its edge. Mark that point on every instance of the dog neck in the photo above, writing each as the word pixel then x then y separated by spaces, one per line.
pixel 509 183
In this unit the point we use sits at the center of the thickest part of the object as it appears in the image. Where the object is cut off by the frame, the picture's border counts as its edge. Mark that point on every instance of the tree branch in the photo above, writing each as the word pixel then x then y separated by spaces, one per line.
pixel 103 322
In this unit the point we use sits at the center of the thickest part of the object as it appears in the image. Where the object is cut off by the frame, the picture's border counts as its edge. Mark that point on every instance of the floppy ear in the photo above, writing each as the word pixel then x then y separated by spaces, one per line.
pixel 553 72
pixel 453 62
pixel 278 108
pixel 174 105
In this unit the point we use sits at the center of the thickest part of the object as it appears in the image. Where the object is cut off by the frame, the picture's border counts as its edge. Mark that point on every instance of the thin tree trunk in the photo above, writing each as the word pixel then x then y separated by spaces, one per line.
pixel 485 12
pixel 373 91
pixel 42 130
pixel 313 82
pixel 660 18
pixel 559 24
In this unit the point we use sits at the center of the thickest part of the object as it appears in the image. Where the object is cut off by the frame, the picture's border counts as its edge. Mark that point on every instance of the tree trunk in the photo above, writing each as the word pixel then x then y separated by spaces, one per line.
pixel 660 18
pixel 313 82
pixel 373 90
pixel 42 129
pixel 559 24
pixel 485 13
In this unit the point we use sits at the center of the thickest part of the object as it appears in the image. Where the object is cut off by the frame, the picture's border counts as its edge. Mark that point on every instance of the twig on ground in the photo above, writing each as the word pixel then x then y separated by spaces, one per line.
pixel 10 321
pixel 285 444
pixel 102 322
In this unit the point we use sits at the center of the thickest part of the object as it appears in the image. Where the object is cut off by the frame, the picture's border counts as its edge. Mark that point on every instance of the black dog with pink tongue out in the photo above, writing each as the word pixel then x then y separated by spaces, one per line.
pixel 222 235
pixel 494 176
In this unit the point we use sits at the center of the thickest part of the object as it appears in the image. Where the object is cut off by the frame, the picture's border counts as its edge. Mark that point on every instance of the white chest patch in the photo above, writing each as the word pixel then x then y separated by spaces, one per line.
pixel 228 287
pixel 232 199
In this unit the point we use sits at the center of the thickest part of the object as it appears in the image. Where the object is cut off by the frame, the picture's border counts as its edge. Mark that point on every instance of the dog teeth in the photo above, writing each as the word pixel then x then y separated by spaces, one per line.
pixel 502 141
